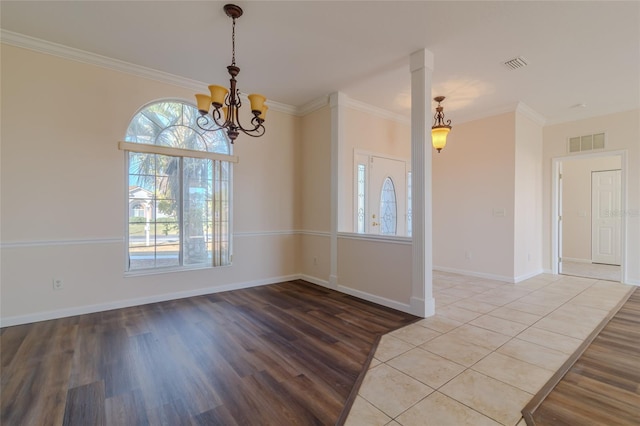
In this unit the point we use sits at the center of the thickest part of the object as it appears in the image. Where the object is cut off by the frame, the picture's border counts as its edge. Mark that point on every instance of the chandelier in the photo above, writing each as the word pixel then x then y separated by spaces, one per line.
pixel 440 128
pixel 226 102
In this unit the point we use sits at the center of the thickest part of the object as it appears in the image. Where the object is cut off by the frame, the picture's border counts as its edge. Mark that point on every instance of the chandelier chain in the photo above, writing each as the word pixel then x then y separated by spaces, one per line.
pixel 233 43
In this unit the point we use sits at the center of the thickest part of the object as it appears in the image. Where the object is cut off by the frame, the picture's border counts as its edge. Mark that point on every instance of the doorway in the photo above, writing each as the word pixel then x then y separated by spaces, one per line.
pixel 589 225
pixel 381 195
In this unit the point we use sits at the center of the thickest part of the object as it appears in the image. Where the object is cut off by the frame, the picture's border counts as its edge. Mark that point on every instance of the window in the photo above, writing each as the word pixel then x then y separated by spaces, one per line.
pixel 179 185
pixel 409 206
pixel 360 212
pixel 388 208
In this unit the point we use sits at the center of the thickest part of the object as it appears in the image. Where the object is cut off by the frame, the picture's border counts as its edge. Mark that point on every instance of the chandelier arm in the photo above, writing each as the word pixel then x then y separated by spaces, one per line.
pixel 256 122
pixel 257 131
pixel 216 115
pixel 205 120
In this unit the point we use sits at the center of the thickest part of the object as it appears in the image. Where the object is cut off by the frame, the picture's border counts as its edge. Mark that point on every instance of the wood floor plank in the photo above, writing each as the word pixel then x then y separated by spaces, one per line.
pixel 85 405
pixel 126 409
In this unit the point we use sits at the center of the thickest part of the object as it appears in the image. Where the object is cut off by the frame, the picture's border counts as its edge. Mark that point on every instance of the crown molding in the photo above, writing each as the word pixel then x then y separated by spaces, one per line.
pixel 314 105
pixel 323 101
pixel 512 107
pixel 70 53
pixel 378 112
pixel 530 113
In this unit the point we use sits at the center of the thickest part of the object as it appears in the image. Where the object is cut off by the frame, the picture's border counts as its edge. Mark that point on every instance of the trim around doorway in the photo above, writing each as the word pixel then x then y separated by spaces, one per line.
pixel 555 205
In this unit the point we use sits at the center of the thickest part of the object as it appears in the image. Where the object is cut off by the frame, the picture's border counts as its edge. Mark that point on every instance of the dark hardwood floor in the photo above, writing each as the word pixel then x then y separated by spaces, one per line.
pixel 284 354
pixel 602 387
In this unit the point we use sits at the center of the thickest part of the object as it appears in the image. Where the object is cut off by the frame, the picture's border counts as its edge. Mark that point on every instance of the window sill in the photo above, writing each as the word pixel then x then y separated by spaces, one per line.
pixel 170 270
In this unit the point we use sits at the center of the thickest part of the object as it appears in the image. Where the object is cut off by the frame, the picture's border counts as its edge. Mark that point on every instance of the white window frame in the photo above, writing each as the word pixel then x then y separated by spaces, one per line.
pixel 181 153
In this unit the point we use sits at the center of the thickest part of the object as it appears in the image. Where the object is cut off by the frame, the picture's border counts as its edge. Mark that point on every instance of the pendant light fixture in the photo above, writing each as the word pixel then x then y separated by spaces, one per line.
pixel 440 128
pixel 226 102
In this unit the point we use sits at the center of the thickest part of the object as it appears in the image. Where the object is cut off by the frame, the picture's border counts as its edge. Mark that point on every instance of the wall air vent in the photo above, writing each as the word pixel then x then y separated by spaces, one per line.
pixel 586 143
pixel 516 63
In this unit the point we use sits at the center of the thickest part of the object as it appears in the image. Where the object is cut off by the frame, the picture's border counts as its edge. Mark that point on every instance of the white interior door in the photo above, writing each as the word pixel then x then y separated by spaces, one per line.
pixel 605 217
pixel 387 196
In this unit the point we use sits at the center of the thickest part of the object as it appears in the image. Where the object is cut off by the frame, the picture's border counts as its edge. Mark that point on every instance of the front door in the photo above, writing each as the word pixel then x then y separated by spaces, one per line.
pixel 387 196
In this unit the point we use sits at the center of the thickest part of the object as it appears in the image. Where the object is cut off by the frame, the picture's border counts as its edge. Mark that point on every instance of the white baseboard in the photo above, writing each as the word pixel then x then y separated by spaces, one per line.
pixel 412 308
pixel 393 304
pixel 422 308
pixel 317 281
pixel 523 277
pixel 474 274
pixel 510 280
pixel 100 307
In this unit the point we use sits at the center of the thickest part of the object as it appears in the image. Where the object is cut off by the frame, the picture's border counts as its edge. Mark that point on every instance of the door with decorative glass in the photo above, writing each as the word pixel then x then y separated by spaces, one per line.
pixel 387 196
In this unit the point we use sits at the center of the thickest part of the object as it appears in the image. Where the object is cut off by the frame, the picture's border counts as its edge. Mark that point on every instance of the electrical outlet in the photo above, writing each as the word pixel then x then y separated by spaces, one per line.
pixel 58 284
pixel 315 261
pixel 467 255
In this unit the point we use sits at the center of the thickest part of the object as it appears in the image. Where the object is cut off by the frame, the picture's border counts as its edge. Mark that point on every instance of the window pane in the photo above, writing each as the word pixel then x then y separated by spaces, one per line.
pixel 388 208
pixel 142 130
pixel 221 225
pixel 409 206
pixel 197 214
pixel 167 255
pixel 361 198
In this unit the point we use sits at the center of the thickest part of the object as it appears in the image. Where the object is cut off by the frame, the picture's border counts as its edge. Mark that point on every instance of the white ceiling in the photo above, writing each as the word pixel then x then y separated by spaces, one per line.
pixel 297 51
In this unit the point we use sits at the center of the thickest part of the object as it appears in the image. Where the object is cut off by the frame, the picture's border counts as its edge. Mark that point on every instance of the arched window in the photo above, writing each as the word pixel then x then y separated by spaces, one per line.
pixel 185 173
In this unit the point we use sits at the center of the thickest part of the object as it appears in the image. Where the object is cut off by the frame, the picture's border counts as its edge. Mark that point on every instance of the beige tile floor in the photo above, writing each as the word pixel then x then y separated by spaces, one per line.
pixel 490 347
pixel 592 270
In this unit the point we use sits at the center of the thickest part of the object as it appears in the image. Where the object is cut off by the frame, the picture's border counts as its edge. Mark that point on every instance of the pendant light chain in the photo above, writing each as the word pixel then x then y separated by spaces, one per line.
pixel 233 43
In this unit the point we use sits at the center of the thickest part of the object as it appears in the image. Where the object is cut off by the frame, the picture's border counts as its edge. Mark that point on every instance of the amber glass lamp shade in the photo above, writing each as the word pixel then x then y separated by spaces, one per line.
pixel 204 103
pixel 263 114
pixel 439 137
pixel 257 103
pixel 218 95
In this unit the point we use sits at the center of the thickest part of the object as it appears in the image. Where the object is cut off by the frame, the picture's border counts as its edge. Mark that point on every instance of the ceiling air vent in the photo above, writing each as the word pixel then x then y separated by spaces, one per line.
pixel 586 143
pixel 516 63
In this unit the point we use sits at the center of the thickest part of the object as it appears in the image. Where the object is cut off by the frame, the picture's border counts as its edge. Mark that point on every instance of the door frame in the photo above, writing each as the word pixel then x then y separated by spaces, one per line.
pixel 556 205
pixel 362 153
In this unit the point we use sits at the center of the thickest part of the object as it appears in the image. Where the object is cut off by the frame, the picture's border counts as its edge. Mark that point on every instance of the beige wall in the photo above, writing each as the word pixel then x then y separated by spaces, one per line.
pixel 315 177
pixel 316 170
pixel 376 270
pixel 576 204
pixel 63 192
pixel 472 177
pixel 375 135
pixel 622 134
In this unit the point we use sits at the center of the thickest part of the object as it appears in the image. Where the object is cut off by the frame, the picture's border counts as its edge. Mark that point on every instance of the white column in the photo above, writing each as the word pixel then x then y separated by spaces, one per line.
pixel 421 67
pixel 337 102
